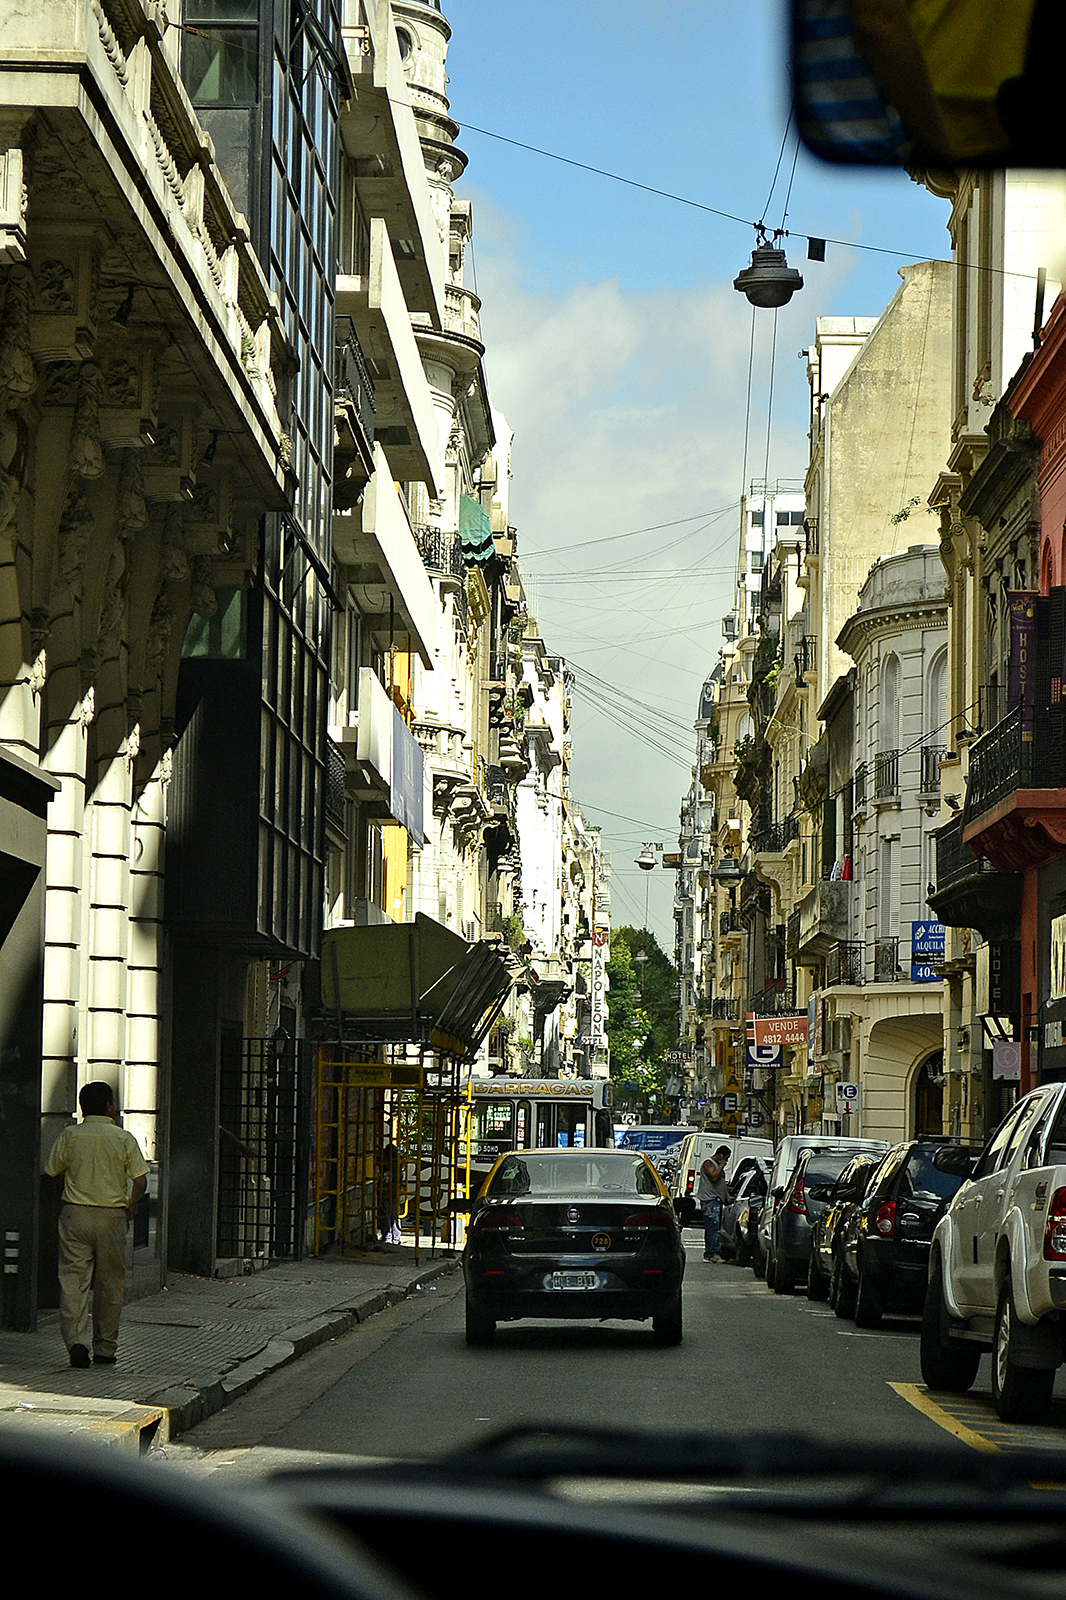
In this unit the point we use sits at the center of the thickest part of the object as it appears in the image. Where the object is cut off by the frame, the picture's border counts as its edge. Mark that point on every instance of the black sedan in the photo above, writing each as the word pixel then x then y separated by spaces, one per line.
pixel 577 1234
pixel 883 1245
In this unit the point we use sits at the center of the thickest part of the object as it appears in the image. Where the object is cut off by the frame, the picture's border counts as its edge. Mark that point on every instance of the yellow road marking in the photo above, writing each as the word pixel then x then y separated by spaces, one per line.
pixel 920 1399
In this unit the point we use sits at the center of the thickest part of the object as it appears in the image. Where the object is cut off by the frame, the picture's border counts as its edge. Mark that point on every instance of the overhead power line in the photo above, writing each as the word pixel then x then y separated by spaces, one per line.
pixel 731 216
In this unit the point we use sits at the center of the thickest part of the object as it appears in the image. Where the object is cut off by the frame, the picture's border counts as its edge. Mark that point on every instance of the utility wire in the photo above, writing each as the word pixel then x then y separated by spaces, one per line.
pixel 730 216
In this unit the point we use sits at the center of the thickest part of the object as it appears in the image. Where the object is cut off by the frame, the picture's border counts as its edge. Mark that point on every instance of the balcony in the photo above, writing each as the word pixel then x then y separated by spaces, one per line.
pixel 775 839
pixel 806 658
pixel 723 1010
pixel 375 540
pixel 380 139
pixel 824 921
pixel 335 789
pixel 353 401
pixel 754 897
pixel 383 761
pixel 844 964
pixel 729 922
pixel 886 961
pixel 929 781
pixel 406 419
pixel 969 892
pixel 885 768
pixel 774 1002
pixel 441 552
pixel 1015 811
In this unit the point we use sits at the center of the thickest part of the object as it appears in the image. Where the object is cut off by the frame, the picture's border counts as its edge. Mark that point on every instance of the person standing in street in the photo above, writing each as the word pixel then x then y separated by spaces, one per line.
pixel 712 1195
pixel 98 1161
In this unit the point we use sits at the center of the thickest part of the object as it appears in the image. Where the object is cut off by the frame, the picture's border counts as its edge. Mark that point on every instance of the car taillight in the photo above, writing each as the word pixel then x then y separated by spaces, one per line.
pixel 796 1202
pixel 1055 1232
pixel 885 1221
pixel 653 1217
pixel 498 1217
pixel 691 1183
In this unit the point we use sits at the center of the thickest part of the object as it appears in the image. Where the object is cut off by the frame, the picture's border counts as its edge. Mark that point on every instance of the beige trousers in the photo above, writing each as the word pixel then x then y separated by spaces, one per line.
pixel 92 1257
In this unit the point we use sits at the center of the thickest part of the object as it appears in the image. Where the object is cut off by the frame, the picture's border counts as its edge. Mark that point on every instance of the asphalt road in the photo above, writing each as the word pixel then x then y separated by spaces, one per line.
pixel 406 1384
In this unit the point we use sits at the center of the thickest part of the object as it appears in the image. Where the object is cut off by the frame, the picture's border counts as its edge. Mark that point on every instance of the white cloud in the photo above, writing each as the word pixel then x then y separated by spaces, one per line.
pixel 628 411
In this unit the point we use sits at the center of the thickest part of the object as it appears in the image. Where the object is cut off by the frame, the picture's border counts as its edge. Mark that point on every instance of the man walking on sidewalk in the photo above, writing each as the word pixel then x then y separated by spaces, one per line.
pixel 96 1158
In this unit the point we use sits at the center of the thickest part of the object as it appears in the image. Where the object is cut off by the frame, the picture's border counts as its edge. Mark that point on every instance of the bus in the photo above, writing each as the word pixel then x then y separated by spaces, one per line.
pixel 534 1114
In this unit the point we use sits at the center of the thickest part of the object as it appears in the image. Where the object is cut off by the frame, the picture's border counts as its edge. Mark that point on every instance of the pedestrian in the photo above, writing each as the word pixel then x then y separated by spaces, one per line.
pixel 712 1194
pixel 98 1161
pixel 389 1197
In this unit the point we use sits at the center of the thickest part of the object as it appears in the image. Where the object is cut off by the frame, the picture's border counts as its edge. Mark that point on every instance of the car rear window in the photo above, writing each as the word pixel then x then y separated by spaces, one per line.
pixel 549 1174
pixel 920 1177
pixel 825 1168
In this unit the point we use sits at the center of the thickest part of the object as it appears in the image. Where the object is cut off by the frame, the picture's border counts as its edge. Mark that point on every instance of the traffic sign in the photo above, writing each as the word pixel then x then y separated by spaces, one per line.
pixel 728 1103
pixel 847 1099
pixel 756 1119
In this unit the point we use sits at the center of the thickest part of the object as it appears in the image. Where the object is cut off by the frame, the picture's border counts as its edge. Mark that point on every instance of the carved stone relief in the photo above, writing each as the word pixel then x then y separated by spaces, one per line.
pixel 75 530
pixel 86 450
pixel 204 598
pixel 159 631
pixel 175 557
pixel 18 375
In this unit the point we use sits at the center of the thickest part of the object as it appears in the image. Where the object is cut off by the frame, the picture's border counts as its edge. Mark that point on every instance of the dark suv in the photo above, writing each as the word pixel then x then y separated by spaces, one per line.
pixel 883 1245
pixel 800 1206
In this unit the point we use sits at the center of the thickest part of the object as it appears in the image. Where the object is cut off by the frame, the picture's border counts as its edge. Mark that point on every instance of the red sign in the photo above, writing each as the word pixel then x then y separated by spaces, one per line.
pixel 780 1030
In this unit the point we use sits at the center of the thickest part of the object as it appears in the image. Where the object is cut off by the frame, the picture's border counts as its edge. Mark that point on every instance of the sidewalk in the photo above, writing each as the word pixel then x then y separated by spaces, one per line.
pixel 188 1350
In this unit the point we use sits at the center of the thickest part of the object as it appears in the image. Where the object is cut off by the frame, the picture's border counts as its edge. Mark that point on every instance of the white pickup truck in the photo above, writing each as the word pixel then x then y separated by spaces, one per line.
pixel 997 1266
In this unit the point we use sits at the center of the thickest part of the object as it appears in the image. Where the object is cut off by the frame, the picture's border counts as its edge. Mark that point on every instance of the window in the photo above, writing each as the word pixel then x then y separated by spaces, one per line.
pixel 993 1151
pixel 757 559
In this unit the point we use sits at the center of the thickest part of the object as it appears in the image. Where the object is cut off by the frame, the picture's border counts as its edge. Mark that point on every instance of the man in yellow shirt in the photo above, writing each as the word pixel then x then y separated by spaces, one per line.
pixel 98 1161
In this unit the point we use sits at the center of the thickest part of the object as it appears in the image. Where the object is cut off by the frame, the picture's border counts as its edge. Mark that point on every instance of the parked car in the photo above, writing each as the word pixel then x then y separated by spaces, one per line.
pixel 749 1180
pixel 793 1212
pixel 748 1214
pixel 788 1154
pixel 997 1268
pixel 882 1255
pixel 841 1199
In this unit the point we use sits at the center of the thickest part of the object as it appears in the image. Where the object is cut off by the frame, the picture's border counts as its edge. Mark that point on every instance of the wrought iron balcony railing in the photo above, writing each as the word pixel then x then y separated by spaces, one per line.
pixel 353 376
pixel 773 1002
pixel 777 837
pixel 886 960
pixel 844 963
pixel 723 1010
pixel 441 552
pixel 859 788
pixel 1026 750
pixel 335 790
pixel 886 775
pixel 930 778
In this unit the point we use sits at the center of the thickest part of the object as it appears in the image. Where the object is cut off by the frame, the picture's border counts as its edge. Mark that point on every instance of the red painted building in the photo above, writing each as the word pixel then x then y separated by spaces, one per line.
pixel 1015 815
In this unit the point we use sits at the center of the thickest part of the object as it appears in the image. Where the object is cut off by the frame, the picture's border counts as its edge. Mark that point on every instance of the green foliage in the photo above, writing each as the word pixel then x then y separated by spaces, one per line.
pixel 641 1028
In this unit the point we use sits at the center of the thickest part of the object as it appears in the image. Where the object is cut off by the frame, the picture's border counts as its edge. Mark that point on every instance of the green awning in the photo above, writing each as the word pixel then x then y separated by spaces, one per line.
pixel 475 531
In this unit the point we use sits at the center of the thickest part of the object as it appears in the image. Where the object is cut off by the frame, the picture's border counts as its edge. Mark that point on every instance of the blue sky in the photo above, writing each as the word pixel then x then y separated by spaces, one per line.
pixel 618 349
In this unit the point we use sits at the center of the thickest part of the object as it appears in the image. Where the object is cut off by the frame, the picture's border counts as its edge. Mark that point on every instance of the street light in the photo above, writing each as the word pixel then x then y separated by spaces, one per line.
pixel 646 859
pixel 727 872
pixel 769 282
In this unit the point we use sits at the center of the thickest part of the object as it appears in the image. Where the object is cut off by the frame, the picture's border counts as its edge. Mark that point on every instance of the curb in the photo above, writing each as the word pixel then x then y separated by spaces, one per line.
pixel 186 1406
pixel 118 1424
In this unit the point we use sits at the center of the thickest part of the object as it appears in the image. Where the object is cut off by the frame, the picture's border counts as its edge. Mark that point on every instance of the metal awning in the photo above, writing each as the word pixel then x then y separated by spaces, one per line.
pixel 412 982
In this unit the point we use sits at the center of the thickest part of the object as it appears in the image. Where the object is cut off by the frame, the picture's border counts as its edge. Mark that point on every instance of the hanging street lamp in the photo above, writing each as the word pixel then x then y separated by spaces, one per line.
pixel 769 282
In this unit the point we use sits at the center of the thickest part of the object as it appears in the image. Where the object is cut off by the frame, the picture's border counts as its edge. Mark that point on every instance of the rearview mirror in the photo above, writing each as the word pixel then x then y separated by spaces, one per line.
pixel 954 1159
pixel 943 86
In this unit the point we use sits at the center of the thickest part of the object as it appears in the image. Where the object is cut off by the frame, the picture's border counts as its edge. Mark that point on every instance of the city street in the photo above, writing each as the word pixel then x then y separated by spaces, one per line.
pixel 405 1384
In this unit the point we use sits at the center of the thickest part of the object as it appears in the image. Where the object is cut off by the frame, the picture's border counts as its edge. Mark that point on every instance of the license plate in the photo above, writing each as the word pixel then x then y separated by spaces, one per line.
pixel 573 1280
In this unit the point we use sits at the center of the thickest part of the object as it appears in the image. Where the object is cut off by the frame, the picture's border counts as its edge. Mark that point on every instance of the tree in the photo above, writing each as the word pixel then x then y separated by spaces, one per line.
pixel 641 1021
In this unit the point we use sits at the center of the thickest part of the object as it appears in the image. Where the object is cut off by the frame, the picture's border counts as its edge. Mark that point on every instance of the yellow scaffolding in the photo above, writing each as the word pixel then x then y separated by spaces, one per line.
pixel 372 1099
